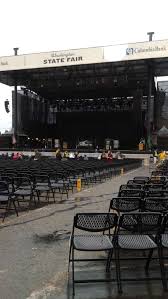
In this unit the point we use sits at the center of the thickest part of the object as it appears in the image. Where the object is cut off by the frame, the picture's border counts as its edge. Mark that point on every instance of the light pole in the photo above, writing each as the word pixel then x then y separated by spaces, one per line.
pixel 15 102
pixel 150 78
pixel 150 35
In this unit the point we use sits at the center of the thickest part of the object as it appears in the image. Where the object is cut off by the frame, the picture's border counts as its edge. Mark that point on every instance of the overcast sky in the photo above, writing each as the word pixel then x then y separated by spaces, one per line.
pixel 48 25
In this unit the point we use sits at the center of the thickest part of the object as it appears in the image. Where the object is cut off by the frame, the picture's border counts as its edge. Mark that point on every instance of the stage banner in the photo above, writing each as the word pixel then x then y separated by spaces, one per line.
pixel 136 51
pixel 52 59
pixel 123 52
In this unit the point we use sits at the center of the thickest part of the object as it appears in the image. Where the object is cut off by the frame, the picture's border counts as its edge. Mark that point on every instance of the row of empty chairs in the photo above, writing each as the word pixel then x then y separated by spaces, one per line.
pixel 30 181
pixel 113 234
pixel 137 220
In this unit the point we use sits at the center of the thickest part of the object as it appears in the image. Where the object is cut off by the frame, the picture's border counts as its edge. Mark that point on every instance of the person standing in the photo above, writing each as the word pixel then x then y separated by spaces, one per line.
pixel 58 154
pixel 110 155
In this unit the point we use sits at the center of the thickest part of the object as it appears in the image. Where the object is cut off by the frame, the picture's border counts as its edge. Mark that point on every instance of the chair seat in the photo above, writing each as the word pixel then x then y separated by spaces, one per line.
pixel 57 185
pixel 61 182
pixel 3 198
pixel 42 184
pixel 92 242
pixel 42 188
pixel 23 192
pixel 73 179
pixel 165 240
pixel 66 182
pixel 136 242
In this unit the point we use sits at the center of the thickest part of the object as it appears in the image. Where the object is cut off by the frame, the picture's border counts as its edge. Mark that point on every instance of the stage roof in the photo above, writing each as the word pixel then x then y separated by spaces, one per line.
pixel 103 71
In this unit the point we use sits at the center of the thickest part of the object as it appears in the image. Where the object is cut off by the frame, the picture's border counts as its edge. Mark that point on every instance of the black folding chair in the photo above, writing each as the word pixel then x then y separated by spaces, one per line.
pixel 137 232
pixel 162 240
pixel 141 179
pixel 6 199
pixel 155 204
pixel 23 190
pixel 41 186
pixel 131 193
pixel 164 233
pixel 125 204
pixel 95 239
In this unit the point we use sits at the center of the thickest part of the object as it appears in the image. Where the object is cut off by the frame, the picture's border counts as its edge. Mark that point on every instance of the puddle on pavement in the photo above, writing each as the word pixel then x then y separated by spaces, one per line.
pixel 53 237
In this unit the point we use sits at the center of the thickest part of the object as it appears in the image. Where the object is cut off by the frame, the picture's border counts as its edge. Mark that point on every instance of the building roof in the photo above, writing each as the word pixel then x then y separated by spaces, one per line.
pixel 103 70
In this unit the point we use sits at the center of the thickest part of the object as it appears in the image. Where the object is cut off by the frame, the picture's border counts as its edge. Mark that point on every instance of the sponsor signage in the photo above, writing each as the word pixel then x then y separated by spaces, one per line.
pixel 134 51
pixel 65 58
pixel 11 63
pixel 52 59
pixel 146 50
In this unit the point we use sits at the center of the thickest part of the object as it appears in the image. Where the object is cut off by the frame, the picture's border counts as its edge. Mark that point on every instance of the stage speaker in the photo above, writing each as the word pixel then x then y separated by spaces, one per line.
pixel 7 106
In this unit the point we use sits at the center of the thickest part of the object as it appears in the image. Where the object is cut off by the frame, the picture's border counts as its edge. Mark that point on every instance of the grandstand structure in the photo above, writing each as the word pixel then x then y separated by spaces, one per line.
pixel 87 94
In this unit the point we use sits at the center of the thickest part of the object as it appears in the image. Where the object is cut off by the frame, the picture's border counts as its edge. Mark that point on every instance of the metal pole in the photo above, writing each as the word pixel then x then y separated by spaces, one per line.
pixel 15 102
pixel 150 35
pixel 15 112
pixel 150 78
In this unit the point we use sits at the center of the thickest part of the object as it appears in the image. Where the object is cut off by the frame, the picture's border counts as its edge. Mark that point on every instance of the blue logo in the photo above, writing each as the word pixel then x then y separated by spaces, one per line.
pixel 129 51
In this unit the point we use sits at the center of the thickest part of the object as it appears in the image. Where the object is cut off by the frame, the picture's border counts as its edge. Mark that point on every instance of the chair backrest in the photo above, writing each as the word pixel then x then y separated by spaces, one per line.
pixel 125 204
pixel 21 181
pixel 140 223
pixel 155 204
pixel 157 179
pixel 164 228
pixel 157 173
pixel 134 185
pixel 153 187
pixel 95 222
pixel 3 187
pixel 41 178
pixel 131 193
pixel 130 186
pixel 141 179
pixel 156 193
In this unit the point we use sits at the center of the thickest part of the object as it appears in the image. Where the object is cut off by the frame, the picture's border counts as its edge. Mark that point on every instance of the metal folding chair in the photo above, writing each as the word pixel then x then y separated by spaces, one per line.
pixel 138 232
pixel 94 239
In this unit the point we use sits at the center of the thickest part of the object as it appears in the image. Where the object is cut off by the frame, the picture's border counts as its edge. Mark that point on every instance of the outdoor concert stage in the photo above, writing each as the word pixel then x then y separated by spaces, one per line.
pixel 95 94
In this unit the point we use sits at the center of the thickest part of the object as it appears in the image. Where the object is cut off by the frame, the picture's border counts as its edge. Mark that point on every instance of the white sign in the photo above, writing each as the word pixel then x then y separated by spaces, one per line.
pixel 11 63
pixel 64 58
pixel 52 59
pixel 134 51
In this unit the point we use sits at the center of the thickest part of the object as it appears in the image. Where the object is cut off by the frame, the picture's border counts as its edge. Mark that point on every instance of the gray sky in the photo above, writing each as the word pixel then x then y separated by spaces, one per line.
pixel 48 25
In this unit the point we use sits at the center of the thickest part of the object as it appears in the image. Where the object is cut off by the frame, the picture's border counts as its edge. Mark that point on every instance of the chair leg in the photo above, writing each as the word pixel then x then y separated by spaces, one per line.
pixel 118 272
pixel 61 192
pixel 34 199
pixel 110 254
pixel 162 268
pixel 53 193
pixel 69 259
pixel 73 283
pixel 38 195
pixel 6 210
pixel 66 191
pixel 18 202
pixel 15 208
pixel 47 196
pixel 148 260
pixel 30 201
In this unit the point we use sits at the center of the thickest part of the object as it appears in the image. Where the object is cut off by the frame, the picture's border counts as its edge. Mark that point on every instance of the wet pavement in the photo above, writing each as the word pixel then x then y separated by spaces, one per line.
pixel 34 250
